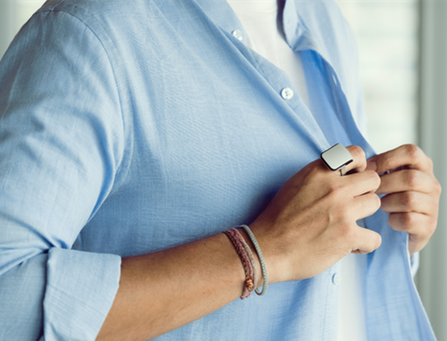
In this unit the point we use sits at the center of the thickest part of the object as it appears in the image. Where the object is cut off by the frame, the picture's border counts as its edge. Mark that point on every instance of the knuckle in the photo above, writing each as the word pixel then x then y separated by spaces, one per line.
pixel 357 152
pixel 409 199
pixel 412 151
pixel 412 178
pixel 335 189
pixel 341 217
pixel 407 220
pixel 387 163
pixel 374 178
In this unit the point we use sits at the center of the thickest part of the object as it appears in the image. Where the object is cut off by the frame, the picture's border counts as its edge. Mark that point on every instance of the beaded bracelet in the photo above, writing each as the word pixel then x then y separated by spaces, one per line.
pixel 261 260
pixel 238 242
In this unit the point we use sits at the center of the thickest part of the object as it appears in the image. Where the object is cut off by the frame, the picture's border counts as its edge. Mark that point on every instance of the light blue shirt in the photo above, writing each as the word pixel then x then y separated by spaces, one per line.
pixel 131 127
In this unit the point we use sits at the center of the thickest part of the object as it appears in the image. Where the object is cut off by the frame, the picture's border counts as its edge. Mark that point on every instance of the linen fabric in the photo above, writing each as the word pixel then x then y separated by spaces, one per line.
pixel 128 128
pixel 262 22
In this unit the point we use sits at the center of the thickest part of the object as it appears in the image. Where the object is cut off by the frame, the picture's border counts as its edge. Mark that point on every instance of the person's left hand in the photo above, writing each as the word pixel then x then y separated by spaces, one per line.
pixel 412 192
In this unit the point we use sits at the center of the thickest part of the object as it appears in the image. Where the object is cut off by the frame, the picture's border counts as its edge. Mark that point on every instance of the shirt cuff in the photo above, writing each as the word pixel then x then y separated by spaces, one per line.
pixel 81 288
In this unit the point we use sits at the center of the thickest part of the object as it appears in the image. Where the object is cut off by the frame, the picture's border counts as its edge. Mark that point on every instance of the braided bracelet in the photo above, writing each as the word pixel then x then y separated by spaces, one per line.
pixel 251 258
pixel 238 242
pixel 261 260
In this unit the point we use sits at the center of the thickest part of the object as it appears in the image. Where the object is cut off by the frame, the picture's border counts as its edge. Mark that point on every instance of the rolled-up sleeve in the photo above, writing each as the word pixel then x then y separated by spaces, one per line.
pixel 61 144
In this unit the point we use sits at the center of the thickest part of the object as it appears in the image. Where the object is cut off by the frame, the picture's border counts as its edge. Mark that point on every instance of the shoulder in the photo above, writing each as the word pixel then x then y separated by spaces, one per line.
pixel 98 8
pixel 117 21
pixel 114 11
pixel 91 12
pixel 105 17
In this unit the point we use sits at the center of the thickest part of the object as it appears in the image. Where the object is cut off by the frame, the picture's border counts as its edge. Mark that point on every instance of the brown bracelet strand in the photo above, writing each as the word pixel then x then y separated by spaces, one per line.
pixel 251 257
pixel 237 241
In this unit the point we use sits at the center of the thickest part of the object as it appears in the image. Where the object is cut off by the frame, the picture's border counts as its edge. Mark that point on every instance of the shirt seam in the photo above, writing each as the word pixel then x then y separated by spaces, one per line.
pixel 121 164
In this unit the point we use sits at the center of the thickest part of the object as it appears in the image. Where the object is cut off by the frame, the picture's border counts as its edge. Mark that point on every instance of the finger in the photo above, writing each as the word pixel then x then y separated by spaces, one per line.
pixel 406 180
pixel 365 241
pixel 411 222
pixel 407 155
pixel 420 228
pixel 361 183
pixel 365 205
pixel 359 163
pixel 409 202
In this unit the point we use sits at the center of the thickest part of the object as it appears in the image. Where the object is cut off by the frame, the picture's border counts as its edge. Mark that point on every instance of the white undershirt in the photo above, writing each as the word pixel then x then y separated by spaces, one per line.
pixel 260 21
pixel 265 36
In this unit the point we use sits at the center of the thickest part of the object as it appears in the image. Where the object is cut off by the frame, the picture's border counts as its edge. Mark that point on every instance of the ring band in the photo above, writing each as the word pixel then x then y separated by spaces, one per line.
pixel 343 170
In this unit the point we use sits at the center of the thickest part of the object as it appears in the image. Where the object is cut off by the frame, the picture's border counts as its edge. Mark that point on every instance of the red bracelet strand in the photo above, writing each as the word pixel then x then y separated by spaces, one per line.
pixel 238 243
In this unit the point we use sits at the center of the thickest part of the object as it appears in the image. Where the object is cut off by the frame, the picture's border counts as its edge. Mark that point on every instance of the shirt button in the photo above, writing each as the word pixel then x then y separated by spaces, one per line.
pixel 237 34
pixel 336 279
pixel 287 93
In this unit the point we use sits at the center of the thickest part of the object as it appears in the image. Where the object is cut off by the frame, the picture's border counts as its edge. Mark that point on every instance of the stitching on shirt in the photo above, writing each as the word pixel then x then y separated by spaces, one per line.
pixel 123 175
pixel 58 4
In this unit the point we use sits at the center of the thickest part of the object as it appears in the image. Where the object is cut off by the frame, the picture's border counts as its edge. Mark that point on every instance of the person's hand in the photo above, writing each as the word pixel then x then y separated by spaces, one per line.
pixel 412 192
pixel 311 222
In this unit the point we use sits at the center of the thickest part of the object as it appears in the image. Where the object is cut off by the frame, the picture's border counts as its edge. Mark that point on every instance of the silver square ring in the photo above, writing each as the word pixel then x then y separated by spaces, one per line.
pixel 337 158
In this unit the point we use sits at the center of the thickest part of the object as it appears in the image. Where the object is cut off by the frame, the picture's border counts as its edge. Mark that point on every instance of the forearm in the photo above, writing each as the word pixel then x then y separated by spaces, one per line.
pixel 304 230
pixel 162 291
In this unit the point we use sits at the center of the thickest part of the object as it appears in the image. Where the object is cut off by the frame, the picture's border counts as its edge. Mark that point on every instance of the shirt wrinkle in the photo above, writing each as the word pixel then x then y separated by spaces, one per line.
pixel 219 155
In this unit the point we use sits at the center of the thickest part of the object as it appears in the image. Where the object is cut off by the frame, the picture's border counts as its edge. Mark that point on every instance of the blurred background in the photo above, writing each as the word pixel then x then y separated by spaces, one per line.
pixel 402 47
pixel 403 54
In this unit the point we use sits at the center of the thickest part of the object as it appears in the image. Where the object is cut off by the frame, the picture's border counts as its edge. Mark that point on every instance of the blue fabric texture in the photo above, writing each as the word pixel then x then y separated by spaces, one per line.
pixel 131 127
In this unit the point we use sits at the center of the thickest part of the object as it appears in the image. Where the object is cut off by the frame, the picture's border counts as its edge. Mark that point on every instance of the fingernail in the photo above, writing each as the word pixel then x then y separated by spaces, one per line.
pixel 371 165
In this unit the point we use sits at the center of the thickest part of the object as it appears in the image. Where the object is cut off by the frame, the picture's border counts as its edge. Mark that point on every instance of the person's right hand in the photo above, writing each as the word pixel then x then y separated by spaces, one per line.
pixel 311 222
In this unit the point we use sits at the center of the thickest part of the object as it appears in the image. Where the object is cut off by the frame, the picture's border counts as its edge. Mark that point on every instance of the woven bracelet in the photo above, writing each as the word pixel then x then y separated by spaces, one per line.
pixel 251 258
pixel 261 260
pixel 238 242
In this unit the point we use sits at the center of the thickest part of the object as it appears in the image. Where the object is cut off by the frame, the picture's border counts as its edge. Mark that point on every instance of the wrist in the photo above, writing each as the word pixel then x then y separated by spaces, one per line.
pixel 272 250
